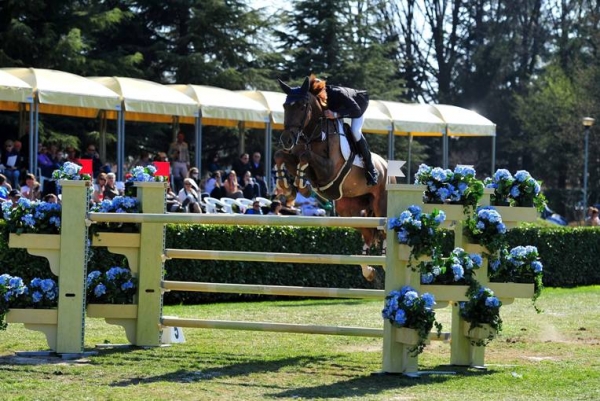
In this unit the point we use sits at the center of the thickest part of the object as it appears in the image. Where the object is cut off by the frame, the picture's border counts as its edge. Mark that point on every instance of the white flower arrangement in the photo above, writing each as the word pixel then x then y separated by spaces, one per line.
pixel 70 171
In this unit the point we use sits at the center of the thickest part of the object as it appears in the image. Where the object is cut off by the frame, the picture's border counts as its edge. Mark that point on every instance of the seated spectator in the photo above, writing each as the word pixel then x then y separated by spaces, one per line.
pixel 232 187
pixel 249 186
pixel 275 207
pixel 218 190
pixel 189 197
pixel 255 209
pixel 287 205
pixel 32 189
pixel 241 165
pixel 9 164
pixel 593 219
pixel 90 153
pixel 99 187
pixel 45 162
pixel 144 159
pixel 13 196
pixel 110 189
pixel 51 198
pixel 4 188
pixel 309 206
pixel 173 203
pixel 214 164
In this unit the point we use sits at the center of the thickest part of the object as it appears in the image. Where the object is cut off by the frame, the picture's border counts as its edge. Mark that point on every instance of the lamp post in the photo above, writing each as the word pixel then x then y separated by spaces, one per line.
pixel 587 123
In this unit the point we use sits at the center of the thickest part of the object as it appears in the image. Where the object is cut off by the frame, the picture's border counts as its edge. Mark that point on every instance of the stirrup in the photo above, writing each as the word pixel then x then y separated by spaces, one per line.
pixel 372 179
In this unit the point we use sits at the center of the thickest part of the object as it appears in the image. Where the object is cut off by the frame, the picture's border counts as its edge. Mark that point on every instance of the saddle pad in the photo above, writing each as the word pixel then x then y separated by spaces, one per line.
pixel 345 146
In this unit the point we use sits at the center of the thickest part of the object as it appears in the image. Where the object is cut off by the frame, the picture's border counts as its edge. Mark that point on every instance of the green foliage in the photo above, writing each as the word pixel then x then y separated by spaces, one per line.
pixel 481 308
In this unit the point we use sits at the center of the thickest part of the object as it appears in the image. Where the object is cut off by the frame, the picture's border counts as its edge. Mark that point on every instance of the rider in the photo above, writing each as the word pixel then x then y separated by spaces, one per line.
pixel 342 102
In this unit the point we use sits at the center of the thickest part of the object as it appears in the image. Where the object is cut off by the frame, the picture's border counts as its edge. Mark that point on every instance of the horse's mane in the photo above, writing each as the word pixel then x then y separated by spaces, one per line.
pixel 317 88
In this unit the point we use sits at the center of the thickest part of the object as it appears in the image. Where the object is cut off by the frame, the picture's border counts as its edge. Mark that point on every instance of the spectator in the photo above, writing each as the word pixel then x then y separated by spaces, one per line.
pixel 45 162
pixel 90 153
pixel 32 189
pixel 5 184
pixel 180 158
pixel 232 187
pixel 257 169
pixel 241 165
pixel 161 157
pixel 144 159
pixel 218 190
pixel 194 174
pixel 249 186
pixel 309 205
pixel 110 188
pixel 51 198
pixel 73 155
pixel 99 187
pixel 255 209
pixel 287 205
pixel 13 196
pixel 214 164
pixel 275 207
pixel 189 198
pixel 593 219
pixel 21 160
pixel 173 203
pixel 9 164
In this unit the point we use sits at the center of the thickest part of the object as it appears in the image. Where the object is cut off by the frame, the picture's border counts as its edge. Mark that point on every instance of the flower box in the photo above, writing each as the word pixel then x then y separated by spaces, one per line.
pixel 483 332
pixel 119 315
pixel 42 320
pixel 513 214
pixel 406 336
pixel 45 245
pixel 453 212
pixel 404 252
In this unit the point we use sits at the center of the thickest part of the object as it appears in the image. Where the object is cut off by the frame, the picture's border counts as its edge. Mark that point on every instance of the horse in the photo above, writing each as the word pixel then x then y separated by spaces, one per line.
pixel 312 154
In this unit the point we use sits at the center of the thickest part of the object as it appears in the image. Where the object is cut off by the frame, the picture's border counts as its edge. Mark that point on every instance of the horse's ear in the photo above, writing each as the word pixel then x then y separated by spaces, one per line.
pixel 304 87
pixel 285 87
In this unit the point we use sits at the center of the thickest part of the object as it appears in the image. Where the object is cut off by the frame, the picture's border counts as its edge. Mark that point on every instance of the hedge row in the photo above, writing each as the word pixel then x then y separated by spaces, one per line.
pixel 569 255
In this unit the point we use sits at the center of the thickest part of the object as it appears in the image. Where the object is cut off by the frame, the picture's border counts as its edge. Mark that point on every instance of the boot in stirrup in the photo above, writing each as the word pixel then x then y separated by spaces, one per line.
pixel 371 173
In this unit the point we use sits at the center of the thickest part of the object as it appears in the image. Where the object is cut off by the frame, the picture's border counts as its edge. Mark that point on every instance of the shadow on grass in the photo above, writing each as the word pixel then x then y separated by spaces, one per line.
pixel 376 383
pixel 233 369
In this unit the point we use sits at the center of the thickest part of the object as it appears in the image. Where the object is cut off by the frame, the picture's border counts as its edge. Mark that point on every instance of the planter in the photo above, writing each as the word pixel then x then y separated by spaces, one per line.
pixel 404 252
pixel 43 320
pixel 45 245
pixel 119 315
pixel 121 244
pixel 406 336
pixel 511 216
pixel 478 333
pixel 453 212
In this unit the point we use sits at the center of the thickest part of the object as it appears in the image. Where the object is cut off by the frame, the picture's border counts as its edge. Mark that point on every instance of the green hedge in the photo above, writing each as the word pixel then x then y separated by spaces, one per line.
pixel 569 256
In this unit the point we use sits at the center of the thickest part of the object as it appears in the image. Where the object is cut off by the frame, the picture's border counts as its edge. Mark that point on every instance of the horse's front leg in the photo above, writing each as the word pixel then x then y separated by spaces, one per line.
pixel 285 163
pixel 302 181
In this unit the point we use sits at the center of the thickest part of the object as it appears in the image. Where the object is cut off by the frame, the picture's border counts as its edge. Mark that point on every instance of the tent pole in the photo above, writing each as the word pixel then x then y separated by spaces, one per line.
pixel 409 163
pixel 268 156
pixel 391 144
pixel 121 141
pixel 493 155
pixel 34 135
pixel 445 148
pixel 198 140
pixel 102 115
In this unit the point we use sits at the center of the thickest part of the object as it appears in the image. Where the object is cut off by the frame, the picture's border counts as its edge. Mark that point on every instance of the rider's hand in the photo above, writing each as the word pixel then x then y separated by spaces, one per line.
pixel 331 114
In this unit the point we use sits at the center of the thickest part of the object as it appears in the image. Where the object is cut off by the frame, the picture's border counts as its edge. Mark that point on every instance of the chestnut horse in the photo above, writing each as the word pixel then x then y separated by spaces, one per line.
pixel 312 156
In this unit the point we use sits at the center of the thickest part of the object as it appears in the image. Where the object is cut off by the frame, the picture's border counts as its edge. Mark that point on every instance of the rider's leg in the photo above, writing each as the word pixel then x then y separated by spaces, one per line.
pixel 362 146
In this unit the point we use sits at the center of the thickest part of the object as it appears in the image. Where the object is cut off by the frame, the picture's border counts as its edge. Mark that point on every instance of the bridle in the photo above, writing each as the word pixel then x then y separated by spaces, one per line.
pixel 300 135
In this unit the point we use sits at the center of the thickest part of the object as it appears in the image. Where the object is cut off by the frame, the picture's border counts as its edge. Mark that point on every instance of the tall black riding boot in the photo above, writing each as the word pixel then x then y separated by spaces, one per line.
pixel 370 171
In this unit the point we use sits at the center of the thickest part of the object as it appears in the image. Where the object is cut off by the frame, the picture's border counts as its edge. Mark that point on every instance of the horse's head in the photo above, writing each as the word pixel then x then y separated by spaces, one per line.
pixel 301 108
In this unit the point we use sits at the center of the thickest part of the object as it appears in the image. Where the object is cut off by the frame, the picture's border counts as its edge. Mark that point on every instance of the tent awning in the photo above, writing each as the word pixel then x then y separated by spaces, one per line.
pixel 13 91
pixel 148 101
pixel 223 107
pixel 66 94
pixel 463 122
pixel 409 118
pixel 272 101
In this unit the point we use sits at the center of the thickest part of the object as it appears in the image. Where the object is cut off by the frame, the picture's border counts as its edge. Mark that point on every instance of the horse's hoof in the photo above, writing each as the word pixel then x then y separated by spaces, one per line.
pixel 368 272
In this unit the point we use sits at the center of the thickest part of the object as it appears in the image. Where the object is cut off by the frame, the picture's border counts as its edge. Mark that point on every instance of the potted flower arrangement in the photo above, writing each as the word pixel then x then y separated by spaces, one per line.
pixel 418 230
pixel 458 268
pixel 482 312
pixel 32 217
pixel 70 171
pixel 521 264
pixel 119 204
pixel 486 228
pixel 518 190
pixel 406 309
pixel 141 174
pixel 116 286
pixel 40 294
pixel 445 186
